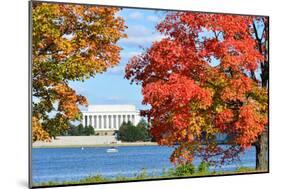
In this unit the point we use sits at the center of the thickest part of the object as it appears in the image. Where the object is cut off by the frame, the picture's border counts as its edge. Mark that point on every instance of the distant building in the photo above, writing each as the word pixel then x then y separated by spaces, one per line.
pixel 108 118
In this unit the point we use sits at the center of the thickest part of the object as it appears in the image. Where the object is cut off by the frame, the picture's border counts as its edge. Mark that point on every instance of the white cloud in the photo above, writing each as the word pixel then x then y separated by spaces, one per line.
pixel 142 40
pixel 128 55
pixel 136 15
pixel 140 35
pixel 153 18
pixel 117 70
pixel 137 30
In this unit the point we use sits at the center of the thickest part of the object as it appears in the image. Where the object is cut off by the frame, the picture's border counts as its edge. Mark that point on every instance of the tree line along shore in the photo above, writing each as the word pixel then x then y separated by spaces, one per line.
pixel 79 136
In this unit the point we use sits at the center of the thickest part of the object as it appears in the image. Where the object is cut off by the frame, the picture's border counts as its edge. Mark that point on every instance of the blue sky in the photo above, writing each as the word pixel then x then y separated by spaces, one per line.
pixel 111 87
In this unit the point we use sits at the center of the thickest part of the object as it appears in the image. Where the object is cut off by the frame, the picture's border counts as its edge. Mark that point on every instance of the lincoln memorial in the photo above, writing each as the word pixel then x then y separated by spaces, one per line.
pixel 107 118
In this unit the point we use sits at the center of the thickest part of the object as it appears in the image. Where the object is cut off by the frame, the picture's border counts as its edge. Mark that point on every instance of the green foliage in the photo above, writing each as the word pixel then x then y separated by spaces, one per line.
pixel 130 133
pixel 187 170
pixel 89 131
pixel 96 178
pixel 179 171
pixel 245 169
pixel 144 130
pixel 184 170
pixel 142 174
pixel 81 131
pixel 203 168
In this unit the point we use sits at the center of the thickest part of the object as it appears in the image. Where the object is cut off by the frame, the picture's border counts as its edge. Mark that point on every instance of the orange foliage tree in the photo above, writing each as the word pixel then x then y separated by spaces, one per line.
pixel 207 76
pixel 69 43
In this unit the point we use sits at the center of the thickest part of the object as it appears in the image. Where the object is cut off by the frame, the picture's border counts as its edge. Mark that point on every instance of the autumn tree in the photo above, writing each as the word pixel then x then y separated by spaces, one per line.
pixel 208 75
pixel 69 43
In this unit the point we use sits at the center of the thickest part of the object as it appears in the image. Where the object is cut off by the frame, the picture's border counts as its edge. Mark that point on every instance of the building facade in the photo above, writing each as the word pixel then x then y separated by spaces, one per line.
pixel 106 119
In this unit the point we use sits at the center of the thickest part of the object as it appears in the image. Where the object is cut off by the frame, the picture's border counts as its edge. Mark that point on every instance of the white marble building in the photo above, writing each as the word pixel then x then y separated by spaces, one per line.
pixel 110 117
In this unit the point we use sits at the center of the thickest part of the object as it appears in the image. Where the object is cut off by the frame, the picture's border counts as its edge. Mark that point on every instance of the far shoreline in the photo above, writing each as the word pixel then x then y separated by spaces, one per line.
pixel 99 145
pixel 91 142
pixel 88 141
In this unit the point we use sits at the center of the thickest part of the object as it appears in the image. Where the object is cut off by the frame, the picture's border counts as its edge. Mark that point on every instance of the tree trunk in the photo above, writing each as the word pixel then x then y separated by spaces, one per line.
pixel 262 152
pixel 262 142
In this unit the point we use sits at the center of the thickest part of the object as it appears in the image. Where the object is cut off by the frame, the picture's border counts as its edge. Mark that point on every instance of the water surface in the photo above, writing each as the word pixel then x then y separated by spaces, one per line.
pixel 72 164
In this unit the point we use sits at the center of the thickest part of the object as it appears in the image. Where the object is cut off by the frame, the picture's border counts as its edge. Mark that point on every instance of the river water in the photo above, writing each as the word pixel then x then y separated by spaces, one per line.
pixel 68 164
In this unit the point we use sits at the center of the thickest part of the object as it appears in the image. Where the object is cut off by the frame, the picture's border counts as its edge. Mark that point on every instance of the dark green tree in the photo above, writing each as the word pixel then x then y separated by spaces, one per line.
pixel 73 130
pixel 130 133
pixel 88 130
pixel 143 128
pixel 127 132
pixel 80 130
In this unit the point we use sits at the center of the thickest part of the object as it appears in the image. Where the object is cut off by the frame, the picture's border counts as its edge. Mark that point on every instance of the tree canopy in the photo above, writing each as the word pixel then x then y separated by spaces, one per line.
pixel 79 130
pixel 131 133
pixel 69 43
pixel 208 75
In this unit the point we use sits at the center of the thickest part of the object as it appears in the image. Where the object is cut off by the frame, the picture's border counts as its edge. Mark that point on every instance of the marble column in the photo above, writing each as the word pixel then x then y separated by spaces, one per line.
pixel 111 119
pixel 133 119
pixel 102 122
pixel 86 120
pixel 129 118
pixel 119 121
pixel 90 120
pixel 95 121
pixel 99 121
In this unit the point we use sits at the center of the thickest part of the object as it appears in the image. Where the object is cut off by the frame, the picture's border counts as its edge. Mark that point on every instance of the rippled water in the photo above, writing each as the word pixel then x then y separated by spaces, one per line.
pixel 66 164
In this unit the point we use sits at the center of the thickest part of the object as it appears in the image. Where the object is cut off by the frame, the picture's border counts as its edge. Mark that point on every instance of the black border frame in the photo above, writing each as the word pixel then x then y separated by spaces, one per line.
pixel 114 182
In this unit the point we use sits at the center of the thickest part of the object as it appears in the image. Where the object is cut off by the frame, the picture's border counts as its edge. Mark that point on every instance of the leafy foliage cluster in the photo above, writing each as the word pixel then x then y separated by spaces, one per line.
pixel 69 43
pixel 189 169
pixel 208 75
pixel 80 130
pixel 130 133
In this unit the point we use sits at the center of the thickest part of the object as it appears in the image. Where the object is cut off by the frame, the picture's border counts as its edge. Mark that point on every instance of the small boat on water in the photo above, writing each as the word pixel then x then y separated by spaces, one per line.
pixel 112 150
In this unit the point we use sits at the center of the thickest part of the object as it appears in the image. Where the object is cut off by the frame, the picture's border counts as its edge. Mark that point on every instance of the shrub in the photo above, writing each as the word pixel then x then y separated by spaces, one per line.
pixel 203 168
pixel 184 170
